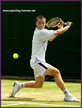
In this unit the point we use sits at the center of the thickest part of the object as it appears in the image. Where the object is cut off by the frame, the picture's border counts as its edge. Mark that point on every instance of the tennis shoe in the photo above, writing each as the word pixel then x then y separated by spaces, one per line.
pixel 16 88
pixel 71 98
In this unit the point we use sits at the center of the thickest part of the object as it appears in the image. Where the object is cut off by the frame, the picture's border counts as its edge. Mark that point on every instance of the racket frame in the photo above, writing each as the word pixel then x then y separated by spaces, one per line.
pixel 47 24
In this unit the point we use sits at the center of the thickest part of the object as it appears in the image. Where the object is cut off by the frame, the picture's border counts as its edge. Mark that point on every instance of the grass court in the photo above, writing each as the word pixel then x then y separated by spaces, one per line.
pixel 48 96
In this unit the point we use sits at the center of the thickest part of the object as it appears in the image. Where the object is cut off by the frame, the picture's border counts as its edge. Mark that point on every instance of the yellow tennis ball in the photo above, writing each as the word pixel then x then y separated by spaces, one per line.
pixel 15 56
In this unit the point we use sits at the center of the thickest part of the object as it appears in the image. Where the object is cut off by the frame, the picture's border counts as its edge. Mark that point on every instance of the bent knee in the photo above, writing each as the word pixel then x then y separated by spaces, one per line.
pixel 56 72
pixel 39 82
pixel 39 86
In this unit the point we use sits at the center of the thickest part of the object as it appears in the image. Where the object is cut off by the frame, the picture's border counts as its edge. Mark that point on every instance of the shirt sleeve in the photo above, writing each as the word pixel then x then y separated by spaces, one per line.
pixel 46 34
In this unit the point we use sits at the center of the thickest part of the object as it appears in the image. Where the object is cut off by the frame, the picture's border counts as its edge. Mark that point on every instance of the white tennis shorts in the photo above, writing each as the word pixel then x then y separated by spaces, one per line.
pixel 39 68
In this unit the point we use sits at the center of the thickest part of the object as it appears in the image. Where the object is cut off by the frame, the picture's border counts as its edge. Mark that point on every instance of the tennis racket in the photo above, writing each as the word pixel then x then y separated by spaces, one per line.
pixel 53 22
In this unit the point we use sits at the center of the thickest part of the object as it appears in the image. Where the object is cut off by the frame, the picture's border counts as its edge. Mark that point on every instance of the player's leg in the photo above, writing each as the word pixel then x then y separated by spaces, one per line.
pixel 56 73
pixel 38 83
pixel 59 81
pixel 39 73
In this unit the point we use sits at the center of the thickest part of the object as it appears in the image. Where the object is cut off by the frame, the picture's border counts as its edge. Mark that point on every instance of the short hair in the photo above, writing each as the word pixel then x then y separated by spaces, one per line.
pixel 40 17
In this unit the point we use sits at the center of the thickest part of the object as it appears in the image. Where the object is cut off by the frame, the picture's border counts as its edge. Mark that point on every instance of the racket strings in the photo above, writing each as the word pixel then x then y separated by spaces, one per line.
pixel 53 22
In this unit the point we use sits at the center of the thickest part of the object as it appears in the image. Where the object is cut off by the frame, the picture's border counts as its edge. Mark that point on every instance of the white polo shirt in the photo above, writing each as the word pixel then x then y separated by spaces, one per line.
pixel 39 44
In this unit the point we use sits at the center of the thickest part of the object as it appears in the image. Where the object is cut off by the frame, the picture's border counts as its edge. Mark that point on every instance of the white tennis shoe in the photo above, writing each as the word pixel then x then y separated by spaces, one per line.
pixel 16 88
pixel 71 98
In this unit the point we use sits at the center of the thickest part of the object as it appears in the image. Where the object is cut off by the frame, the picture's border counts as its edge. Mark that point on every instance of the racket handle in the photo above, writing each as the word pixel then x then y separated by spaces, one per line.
pixel 65 23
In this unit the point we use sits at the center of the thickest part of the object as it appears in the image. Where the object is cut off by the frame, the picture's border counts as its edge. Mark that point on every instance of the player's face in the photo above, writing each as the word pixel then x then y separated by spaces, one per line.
pixel 41 23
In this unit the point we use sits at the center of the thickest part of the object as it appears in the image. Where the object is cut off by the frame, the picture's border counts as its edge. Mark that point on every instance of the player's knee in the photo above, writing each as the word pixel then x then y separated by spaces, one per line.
pixel 39 85
pixel 57 72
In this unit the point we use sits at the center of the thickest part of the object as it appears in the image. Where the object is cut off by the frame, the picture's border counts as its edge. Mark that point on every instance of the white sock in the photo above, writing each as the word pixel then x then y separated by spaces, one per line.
pixel 22 85
pixel 66 92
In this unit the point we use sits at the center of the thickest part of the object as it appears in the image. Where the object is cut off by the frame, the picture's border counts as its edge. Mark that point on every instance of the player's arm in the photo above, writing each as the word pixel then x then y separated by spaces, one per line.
pixel 60 31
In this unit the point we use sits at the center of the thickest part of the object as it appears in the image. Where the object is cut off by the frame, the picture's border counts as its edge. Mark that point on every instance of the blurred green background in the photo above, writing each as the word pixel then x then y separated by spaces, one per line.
pixel 17 31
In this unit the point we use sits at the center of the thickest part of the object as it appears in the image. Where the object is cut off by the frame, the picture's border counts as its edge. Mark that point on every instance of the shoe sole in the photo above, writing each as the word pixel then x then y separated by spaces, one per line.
pixel 12 92
pixel 71 101
pixel 14 84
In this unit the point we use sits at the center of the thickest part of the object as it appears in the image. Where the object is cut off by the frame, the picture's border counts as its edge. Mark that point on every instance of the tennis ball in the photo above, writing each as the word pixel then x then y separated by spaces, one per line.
pixel 15 56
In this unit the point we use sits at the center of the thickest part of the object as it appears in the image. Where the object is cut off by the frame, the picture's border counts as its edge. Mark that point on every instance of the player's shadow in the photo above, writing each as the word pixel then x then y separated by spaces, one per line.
pixel 17 99
pixel 29 99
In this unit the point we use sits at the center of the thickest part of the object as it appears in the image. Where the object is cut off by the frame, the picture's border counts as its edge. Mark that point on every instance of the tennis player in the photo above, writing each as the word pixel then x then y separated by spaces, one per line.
pixel 38 63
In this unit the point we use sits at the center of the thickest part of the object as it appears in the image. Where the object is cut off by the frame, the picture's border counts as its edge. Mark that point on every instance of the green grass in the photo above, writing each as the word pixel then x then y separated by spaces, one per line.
pixel 48 96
